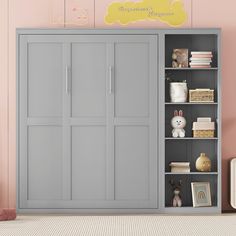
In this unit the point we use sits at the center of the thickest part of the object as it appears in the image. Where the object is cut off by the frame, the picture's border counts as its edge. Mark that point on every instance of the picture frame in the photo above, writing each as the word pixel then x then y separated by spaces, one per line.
pixel 201 194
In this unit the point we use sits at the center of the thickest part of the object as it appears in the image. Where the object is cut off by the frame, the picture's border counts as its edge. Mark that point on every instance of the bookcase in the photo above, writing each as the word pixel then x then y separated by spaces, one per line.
pixel 188 149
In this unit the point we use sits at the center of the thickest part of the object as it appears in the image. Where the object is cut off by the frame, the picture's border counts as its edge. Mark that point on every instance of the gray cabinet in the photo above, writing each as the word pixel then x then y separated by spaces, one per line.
pixel 87 121
pixel 94 133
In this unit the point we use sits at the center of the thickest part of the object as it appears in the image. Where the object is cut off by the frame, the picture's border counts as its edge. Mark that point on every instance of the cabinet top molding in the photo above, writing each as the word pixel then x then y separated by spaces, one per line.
pixel 31 31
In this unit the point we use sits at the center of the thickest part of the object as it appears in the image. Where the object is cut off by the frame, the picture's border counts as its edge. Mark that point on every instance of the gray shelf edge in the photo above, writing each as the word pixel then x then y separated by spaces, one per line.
pixel 190 138
pixel 191 173
pixel 191 103
pixel 189 68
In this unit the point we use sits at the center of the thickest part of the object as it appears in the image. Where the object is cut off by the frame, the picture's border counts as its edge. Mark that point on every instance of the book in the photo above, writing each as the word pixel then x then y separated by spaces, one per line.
pixel 180 169
pixel 201 52
pixel 200 66
pixel 201 56
pixel 204 59
pixel 199 63
pixel 180 164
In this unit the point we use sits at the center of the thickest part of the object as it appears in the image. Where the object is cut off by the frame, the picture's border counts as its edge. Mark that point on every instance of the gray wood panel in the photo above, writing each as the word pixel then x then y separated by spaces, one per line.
pixel 44 163
pixel 88 79
pixel 132 79
pixel 45 79
pixel 132 163
pixel 88 163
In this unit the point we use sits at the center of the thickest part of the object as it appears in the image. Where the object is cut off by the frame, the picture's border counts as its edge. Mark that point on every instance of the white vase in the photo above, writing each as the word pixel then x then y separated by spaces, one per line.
pixel 178 92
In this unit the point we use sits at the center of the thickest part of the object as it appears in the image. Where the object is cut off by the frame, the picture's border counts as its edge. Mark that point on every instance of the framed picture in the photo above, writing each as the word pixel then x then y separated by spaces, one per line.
pixel 201 194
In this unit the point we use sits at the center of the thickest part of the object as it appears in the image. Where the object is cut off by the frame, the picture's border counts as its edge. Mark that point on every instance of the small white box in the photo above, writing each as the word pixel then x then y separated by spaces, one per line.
pixel 204 119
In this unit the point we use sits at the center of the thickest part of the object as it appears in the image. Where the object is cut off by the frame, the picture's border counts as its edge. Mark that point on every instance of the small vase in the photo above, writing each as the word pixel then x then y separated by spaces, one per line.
pixel 203 163
pixel 178 92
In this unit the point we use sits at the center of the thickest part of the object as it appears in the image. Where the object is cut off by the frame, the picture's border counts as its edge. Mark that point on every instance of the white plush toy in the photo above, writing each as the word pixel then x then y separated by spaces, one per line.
pixel 178 123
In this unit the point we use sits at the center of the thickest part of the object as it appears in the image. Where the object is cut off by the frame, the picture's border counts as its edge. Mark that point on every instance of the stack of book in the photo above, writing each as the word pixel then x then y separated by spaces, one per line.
pixel 180 167
pixel 201 59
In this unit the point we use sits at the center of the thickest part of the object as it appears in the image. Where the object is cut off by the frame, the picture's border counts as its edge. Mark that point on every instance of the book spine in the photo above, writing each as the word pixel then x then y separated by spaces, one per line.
pixel 202 56
pixel 199 66
pixel 201 52
pixel 180 170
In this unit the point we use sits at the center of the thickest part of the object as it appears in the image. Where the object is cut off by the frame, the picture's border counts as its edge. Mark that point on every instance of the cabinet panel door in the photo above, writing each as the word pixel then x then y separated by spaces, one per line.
pixel 88 121
pixel 41 111
pixel 135 120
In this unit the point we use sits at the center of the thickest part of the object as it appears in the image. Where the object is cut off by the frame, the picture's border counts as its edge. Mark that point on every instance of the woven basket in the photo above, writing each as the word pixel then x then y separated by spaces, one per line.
pixel 203 133
pixel 199 95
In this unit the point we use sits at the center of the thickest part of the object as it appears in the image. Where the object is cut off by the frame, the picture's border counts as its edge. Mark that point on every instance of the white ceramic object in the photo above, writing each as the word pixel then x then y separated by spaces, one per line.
pixel 178 92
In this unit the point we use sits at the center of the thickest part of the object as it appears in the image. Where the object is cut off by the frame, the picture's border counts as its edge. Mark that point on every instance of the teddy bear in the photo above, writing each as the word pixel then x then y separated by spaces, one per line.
pixel 178 123
pixel 180 58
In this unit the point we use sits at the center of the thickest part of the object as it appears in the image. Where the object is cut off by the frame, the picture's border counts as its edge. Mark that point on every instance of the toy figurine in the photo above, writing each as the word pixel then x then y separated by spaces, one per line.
pixel 178 123
pixel 176 201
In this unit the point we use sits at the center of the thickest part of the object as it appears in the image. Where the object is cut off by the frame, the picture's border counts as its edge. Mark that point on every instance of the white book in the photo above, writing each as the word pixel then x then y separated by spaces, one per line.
pixel 204 59
pixel 201 52
pixel 180 164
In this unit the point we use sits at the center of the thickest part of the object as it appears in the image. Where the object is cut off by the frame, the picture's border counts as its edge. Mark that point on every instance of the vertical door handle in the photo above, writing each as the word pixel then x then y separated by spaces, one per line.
pixel 110 79
pixel 67 81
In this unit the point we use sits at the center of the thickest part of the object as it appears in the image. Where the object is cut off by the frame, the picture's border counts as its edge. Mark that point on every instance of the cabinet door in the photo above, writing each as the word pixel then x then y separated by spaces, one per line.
pixel 88 121
pixel 135 120
pixel 40 120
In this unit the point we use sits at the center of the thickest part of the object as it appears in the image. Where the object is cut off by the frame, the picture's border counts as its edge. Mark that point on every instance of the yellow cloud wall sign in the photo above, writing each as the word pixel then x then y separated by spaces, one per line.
pixel 171 12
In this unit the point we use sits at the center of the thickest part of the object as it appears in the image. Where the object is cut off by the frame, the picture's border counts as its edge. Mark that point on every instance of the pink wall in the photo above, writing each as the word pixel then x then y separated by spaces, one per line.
pixel 222 14
pixel 80 13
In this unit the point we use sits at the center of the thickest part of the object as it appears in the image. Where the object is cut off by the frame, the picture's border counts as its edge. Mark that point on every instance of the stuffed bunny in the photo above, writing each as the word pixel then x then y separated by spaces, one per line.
pixel 178 123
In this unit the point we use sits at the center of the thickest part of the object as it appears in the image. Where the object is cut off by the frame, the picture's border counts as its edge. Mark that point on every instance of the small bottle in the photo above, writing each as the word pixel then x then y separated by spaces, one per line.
pixel 203 163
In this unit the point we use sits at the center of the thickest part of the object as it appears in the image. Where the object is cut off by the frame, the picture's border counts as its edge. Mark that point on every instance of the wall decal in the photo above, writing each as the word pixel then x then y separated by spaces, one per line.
pixel 76 13
pixel 171 12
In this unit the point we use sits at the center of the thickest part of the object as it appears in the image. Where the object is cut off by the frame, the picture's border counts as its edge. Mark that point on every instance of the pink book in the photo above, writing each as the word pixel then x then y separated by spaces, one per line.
pixel 7 214
pixel 202 56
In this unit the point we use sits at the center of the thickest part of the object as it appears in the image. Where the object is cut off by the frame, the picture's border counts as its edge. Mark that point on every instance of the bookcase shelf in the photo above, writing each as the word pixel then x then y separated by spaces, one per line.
pixel 189 68
pixel 188 149
pixel 190 138
pixel 192 173
pixel 190 103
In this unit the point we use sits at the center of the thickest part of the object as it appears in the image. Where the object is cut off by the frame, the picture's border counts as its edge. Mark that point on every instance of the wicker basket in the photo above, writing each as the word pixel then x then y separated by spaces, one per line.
pixel 201 95
pixel 203 133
